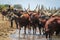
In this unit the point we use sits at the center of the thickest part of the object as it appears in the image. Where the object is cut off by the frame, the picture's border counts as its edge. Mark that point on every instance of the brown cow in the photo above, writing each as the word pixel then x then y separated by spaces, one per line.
pixel 24 21
pixel 34 21
pixel 51 25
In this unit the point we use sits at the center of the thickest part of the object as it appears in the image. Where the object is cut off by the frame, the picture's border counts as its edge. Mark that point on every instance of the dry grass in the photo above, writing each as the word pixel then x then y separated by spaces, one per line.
pixel 5 29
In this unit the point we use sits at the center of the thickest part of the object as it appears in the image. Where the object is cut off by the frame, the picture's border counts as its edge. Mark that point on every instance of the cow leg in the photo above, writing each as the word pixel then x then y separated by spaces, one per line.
pixel 11 23
pixel 29 29
pixel 43 30
pixel 16 24
pixel 19 33
pixel 46 34
pixel 34 30
pixel 57 32
pixel 19 30
pixel 40 30
pixel 25 30
pixel 49 35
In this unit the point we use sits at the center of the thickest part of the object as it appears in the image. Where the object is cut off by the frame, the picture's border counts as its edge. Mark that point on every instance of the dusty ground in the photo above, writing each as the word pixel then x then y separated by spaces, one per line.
pixel 5 29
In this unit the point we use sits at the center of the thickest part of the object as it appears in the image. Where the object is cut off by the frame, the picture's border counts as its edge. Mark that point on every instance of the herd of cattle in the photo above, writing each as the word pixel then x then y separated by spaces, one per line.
pixel 50 24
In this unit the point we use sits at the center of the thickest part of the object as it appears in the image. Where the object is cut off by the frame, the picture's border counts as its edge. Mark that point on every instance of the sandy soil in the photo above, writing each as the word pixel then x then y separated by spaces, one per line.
pixel 5 29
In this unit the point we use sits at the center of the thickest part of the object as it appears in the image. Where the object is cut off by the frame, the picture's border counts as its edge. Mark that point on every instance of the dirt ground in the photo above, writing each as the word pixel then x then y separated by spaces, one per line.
pixel 5 29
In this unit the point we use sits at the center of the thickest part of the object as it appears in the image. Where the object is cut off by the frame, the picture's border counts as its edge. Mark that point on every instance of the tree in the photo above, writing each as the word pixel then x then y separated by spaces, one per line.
pixel 6 5
pixel 2 7
pixel 17 6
